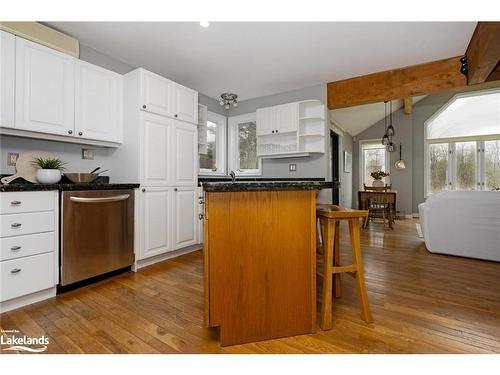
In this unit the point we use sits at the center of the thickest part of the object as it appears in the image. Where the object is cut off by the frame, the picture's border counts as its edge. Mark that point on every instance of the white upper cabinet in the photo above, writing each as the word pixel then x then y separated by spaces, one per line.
pixel 45 90
pixel 287 117
pixel 98 103
pixel 7 78
pixel 185 148
pixel 156 154
pixel 185 104
pixel 156 93
pixel 166 98
pixel 266 120
pixel 185 216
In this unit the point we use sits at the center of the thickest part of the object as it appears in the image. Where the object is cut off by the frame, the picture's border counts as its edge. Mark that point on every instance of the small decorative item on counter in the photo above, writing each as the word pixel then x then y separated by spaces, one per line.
pixel 378 176
pixel 49 170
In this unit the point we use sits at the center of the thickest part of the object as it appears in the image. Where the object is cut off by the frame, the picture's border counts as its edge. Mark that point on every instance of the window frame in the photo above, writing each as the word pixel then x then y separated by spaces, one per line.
pixel 480 147
pixel 233 145
pixel 220 141
pixel 362 161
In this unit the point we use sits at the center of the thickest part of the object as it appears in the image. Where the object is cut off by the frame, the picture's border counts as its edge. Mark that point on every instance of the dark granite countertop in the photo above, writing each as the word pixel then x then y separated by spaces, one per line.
pixel 102 183
pixel 268 185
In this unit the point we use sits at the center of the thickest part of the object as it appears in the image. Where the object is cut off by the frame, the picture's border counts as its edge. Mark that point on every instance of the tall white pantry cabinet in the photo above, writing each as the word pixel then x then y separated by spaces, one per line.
pixel 160 150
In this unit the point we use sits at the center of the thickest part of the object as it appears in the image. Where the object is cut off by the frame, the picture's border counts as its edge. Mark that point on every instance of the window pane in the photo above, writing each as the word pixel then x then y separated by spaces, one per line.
pixel 438 157
pixel 465 159
pixel 208 155
pixel 468 116
pixel 492 164
pixel 374 160
pixel 247 145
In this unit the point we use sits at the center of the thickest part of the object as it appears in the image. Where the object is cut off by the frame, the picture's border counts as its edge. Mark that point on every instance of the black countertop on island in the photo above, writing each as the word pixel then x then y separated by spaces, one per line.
pixel 269 185
pixel 102 183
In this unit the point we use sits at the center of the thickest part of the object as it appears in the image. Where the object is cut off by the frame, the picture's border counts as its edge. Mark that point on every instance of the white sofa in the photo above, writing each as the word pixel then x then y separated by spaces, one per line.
pixel 463 223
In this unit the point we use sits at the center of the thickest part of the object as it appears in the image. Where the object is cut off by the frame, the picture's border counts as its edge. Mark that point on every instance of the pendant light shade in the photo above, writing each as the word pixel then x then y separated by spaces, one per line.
pixel 385 140
pixel 390 130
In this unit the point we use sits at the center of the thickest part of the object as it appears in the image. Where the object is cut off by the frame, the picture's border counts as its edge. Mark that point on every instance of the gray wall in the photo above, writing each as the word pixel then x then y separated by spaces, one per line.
pixel 212 104
pixel 401 180
pixel 313 166
pixel 97 58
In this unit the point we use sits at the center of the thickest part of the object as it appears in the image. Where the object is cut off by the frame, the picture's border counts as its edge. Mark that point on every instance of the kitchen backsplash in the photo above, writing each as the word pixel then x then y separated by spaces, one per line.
pixel 71 153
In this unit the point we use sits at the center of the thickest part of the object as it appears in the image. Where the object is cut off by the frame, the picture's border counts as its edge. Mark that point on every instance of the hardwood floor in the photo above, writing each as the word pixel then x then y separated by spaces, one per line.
pixel 421 303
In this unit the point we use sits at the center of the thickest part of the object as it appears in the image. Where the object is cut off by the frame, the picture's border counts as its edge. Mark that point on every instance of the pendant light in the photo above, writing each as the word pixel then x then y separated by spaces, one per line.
pixel 390 130
pixel 400 164
pixel 385 138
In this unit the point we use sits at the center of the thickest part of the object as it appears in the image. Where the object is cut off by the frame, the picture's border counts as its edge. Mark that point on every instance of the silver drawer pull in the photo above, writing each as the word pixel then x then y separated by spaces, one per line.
pixel 15 248
pixel 15 271
pixel 15 225
pixel 115 198
pixel 15 203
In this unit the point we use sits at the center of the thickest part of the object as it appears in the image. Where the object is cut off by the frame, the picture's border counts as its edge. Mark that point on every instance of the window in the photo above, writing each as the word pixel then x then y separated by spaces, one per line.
pixel 243 145
pixel 374 157
pixel 212 145
pixel 462 142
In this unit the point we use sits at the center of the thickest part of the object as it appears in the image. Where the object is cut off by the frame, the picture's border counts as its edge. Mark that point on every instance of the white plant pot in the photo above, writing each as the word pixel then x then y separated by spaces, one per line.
pixel 378 183
pixel 48 176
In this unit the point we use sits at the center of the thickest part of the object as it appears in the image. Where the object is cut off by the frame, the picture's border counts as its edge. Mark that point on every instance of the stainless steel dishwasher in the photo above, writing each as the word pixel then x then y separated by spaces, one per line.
pixel 97 233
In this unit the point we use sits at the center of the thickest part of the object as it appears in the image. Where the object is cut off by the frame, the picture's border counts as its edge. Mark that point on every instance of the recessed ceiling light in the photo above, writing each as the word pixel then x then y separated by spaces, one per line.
pixel 204 23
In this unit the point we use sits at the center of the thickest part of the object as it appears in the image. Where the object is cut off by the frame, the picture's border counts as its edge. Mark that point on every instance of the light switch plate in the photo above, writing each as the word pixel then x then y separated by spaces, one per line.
pixel 12 158
pixel 292 167
pixel 87 154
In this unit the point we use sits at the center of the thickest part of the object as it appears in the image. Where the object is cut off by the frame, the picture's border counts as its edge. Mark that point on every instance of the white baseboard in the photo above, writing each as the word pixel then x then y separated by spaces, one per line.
pixel 162 257
pixel 16 303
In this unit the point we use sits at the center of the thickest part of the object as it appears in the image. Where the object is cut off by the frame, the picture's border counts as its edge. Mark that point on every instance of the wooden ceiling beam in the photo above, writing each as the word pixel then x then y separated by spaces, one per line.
pixel 483 52
pixel 413 80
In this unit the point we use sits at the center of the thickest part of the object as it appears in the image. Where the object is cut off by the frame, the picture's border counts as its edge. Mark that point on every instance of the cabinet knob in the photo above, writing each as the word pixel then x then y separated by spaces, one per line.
pixel 144 106
pixel 175 115
pixel 15 203
pixel 276 131
pixel 80 133
pixel 15 270
pixel 143 190
pixel 70 131
pixel 175 189
pixel 15 248
pixel 200 216
pixel 272 131
pixel 15 225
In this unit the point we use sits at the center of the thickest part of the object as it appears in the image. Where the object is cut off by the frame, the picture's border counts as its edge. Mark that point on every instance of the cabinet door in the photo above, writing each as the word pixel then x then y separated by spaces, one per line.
pixel 266 120
pixel 185 153
pixel 185 104
pixel 156 152
pixel 7 75
pixel 156 93
pixel 156 223
pixel 185 216
pixel 98 103
pixel 45 89
pixel 287 117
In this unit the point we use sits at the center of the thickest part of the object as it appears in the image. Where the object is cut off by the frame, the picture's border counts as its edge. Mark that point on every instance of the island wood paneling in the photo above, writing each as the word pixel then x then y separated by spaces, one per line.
pixel 260 256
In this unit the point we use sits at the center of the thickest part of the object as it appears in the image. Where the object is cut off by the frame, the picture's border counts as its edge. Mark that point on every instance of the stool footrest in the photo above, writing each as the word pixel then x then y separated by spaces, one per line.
pixel 341 269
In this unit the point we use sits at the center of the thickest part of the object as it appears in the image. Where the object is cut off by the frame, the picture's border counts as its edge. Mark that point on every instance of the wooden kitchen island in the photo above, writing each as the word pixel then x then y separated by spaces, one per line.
pixel 260 259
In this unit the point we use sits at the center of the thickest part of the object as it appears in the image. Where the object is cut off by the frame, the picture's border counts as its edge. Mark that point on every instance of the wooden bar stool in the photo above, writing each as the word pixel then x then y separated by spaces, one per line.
pixel 329 217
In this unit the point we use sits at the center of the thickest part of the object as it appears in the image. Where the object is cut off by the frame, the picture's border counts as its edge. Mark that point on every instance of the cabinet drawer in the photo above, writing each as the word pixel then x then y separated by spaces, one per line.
pixel 22 246
pixel 26 201
pixel 20 224
pixel 19 277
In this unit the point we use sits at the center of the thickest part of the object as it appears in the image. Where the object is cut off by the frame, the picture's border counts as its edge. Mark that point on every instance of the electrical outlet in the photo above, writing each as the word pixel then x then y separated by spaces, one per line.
pixel 12 158
pixel 292 167
pixel 87 154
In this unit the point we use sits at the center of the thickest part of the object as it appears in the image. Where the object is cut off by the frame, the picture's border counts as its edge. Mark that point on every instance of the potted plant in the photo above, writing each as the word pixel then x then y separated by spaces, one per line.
pixel 49 170
pixel 377 178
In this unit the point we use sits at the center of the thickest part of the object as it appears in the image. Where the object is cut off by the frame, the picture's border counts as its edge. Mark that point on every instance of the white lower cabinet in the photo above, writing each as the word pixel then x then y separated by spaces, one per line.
pixel 29 252
pixel 156 207
pixel 185 216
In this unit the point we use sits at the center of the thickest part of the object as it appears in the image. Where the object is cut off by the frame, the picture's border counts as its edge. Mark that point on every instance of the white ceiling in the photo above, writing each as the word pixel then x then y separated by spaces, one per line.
pixel 354 120
pixel 254 59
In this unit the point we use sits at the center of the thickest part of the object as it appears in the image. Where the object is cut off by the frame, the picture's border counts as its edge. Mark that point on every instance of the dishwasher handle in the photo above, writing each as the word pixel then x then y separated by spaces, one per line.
pixel 115 198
